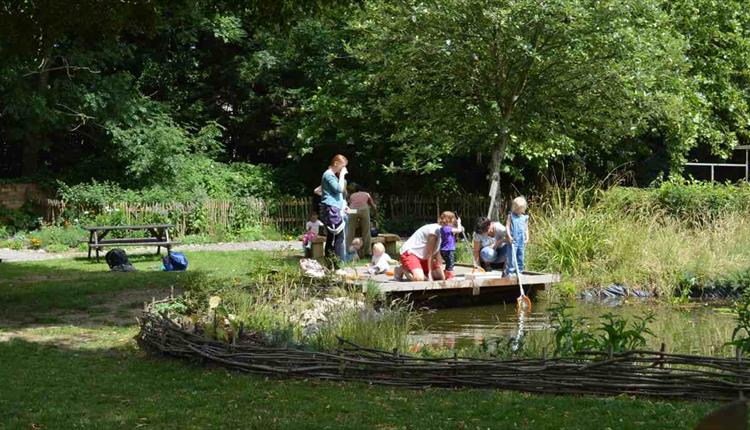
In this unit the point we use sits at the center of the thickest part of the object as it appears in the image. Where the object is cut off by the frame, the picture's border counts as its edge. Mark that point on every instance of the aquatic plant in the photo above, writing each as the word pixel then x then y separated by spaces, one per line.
pixel 615 333
pixel 741 333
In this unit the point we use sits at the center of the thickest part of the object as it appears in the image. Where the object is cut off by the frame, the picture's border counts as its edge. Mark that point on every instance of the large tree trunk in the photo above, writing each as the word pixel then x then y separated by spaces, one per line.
pixel 32 146
pixel 498 154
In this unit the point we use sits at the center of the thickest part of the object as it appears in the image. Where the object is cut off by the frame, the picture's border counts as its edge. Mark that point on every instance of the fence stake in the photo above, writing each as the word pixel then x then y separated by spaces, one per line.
pixel 340 353
pixel 661 356
pixel 738 353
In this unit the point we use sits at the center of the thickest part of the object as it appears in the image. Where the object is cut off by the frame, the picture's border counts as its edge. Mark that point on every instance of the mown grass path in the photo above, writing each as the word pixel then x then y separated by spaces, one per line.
pixel 68 360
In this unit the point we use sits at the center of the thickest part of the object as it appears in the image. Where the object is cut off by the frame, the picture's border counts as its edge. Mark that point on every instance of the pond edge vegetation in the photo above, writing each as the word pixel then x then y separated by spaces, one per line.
pixel 651 373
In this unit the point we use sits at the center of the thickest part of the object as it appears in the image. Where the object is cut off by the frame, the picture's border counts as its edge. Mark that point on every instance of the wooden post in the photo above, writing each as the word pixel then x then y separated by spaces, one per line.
pixel 340 352
pixel 747 165
pixel 661 356
pixel 738 353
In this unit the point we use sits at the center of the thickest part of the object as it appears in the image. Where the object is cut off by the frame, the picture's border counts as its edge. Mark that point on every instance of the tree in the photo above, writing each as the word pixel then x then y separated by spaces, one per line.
pixel 38 46
pixel 520 79
pixel 719 52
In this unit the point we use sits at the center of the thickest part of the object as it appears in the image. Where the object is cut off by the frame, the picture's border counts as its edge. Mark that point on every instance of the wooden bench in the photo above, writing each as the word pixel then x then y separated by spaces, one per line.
pixel 317 249
pixel 390 241
pixel 159 237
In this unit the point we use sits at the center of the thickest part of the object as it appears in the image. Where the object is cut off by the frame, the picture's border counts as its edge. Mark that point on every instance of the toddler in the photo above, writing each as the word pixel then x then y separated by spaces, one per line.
pixel 517 232
pixel 449 227
pixel 380 260
pixel 352 254
pixel 312 228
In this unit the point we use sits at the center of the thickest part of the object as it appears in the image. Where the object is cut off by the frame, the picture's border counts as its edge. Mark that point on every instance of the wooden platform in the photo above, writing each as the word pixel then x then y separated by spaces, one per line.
pixel 466 283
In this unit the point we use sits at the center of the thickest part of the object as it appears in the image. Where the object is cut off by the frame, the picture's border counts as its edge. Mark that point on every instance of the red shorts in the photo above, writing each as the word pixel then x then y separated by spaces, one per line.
pixel 411 262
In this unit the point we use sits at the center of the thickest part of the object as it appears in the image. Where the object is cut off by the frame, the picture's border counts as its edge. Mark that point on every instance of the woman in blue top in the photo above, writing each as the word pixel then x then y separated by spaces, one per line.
pixel 517 229
pixel 332 203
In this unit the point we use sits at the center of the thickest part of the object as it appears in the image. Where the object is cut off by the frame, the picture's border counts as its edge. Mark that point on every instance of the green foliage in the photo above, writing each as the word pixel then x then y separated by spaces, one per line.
pixel 525 80
pixel 613 334
pixel 741 333
pixel 720 75
pixel 56 247
pixel 196 178
pixel 18 220
pixel 286 308
pixel 570 334
pixel 617 336
pixel 695 202
pixel 65 236
pixel 655 239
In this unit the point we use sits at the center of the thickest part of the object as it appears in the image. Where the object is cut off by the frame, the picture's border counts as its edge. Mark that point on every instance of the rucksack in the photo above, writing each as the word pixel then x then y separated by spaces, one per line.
pixel 175 261
pixel 117 260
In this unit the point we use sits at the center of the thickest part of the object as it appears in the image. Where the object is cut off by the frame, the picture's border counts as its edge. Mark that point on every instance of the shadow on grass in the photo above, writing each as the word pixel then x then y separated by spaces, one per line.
pixel 64 291
pixel 59 387
pixel 81 290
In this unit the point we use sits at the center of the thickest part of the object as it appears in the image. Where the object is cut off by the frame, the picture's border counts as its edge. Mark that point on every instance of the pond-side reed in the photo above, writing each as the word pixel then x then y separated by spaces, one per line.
pixel 638 372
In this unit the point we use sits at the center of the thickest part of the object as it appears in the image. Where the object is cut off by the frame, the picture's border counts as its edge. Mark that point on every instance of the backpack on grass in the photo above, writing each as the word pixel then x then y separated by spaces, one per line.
pixel 117 260
pixel 175 262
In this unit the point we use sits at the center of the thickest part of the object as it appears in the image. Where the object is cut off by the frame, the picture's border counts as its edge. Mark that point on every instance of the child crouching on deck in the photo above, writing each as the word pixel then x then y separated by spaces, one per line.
pixel 450 225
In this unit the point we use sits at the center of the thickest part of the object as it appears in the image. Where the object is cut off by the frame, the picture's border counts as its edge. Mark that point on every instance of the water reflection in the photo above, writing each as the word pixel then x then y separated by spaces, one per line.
pixel 696 328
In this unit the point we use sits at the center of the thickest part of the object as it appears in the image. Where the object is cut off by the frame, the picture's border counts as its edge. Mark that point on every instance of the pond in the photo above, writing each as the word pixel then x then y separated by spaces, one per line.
pixel 694 328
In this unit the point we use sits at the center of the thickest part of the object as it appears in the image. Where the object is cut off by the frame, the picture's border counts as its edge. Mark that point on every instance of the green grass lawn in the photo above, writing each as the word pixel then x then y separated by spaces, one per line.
pixel 68 360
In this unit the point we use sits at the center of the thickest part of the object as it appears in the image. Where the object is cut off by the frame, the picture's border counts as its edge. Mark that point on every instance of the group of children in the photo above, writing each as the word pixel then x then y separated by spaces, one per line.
pixel 380 259
pixel 517 235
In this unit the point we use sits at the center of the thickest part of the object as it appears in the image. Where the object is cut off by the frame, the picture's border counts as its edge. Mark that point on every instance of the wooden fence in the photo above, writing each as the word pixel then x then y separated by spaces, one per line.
pixel 288 215
pixel 651 373
pixel 428 209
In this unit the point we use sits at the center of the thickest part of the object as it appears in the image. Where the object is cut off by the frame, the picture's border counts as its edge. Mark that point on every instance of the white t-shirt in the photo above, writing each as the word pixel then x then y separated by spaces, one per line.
pixel 485 240
pixel 314 226
pixel 380 264
pixel 417 243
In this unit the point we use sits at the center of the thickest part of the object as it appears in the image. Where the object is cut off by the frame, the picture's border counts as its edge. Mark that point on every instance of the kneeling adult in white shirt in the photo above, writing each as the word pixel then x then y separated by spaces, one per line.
pixel 420 255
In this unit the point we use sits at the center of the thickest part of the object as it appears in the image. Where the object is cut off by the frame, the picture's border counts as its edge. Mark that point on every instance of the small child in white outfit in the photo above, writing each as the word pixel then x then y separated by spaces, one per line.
pixel 380 260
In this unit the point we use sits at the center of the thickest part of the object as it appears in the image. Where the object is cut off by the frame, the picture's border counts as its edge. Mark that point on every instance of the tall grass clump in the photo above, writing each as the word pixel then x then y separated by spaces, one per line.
pixel 287 309
pixel 657 238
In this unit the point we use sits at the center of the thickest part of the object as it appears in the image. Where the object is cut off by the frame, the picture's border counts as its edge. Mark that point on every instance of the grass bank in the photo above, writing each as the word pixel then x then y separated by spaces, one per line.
pixel 70 361
pixel 666 239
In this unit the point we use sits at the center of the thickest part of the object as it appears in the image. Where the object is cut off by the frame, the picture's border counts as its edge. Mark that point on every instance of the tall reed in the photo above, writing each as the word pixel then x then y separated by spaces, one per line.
pixel 595 242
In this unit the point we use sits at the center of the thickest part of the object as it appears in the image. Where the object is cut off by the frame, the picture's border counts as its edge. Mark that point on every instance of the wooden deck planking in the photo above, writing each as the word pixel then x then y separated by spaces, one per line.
pixel 480 281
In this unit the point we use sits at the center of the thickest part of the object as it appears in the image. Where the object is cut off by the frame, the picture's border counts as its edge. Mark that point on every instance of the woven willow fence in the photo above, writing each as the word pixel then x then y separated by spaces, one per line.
pixel 635 372
pixel 286 214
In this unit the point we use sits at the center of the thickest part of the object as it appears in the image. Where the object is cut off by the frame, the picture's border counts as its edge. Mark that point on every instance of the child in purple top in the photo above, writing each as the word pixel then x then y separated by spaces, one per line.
pixel 450 226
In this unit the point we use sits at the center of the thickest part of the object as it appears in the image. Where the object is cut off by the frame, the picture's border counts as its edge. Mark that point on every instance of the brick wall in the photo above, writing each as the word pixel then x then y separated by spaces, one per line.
pixel 13 196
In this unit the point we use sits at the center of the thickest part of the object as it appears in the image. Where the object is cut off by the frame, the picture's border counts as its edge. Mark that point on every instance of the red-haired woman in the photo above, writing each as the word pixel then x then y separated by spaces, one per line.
pixel 332 203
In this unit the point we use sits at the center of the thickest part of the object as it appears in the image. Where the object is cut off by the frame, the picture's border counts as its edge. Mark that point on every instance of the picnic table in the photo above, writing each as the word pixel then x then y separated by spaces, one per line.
pixel 159 237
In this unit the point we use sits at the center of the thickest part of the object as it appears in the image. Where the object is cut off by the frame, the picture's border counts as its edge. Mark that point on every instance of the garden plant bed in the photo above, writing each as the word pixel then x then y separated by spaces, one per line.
pixel 638 372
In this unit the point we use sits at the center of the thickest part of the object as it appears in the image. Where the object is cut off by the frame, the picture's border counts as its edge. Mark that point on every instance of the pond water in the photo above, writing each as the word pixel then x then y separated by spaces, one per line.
pixel 695 328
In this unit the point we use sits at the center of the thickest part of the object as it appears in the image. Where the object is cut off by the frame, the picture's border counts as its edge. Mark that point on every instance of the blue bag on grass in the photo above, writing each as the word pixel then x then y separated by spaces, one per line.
pixel 175 262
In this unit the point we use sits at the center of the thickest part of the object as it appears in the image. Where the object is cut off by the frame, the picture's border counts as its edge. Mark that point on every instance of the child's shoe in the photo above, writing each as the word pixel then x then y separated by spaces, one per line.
pixel 449 275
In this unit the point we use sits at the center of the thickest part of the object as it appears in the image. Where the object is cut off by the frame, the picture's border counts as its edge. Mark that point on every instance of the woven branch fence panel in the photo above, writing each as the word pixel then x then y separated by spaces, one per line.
pixel 286 214
pixel 645 373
